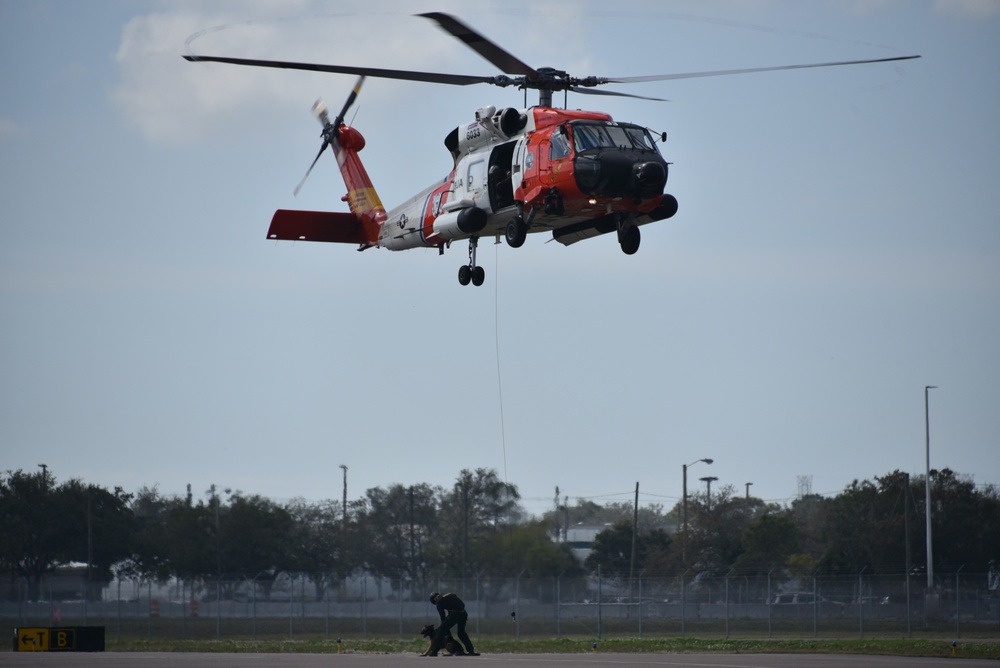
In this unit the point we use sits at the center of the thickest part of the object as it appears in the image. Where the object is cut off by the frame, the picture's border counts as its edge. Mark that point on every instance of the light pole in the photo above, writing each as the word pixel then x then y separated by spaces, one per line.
pixel 746 508
pixel 708 480
pixel 45 474
pixel 344 467
pixel 684 504
pixel 927 486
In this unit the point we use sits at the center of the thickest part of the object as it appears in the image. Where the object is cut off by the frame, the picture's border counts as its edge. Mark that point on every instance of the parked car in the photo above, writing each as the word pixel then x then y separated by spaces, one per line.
pixel 800 601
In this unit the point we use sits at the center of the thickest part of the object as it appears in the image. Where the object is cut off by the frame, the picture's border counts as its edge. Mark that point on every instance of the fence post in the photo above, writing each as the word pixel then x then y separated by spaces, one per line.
pixel 118 608
pixel 558 603
pixel 769 604
pixel 218 609
pixel 599 582
pixel 364 606
pixel 861 608
pixel 815 604
pixel 149 609
pixel 727 601
pixel 517 605
pixel 683 603
pixel 479 605
pixel 640 603
pixel 958 603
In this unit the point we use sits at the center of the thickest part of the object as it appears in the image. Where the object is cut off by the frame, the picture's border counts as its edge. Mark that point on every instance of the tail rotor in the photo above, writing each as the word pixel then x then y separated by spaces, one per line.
pixel 330 130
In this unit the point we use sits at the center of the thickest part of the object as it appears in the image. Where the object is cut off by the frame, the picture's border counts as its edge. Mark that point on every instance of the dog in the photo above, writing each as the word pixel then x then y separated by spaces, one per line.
pixel 450 646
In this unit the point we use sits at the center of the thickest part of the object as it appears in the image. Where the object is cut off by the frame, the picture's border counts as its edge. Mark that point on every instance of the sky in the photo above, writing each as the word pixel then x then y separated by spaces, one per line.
pixel 836 250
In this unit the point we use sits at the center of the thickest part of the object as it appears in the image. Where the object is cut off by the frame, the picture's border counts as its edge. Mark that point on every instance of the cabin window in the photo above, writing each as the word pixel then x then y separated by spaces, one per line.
pixel 560 147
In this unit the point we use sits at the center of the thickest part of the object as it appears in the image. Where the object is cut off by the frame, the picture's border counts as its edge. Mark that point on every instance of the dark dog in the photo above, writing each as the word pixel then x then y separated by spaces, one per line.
pixel 450 646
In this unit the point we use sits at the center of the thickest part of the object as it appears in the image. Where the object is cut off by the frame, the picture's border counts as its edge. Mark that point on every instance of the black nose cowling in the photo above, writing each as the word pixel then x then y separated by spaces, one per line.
pixel 650 178
pixel 617 173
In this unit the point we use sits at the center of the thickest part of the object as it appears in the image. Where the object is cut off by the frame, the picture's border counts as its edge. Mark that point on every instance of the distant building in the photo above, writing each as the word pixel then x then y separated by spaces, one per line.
pixel 580 539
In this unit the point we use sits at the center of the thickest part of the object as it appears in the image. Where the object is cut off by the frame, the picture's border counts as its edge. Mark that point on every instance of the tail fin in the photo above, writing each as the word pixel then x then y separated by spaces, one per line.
pixel 361 196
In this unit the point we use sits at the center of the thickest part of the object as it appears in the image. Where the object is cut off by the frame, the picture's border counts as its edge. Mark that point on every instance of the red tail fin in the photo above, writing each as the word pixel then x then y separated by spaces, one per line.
pixel 361 195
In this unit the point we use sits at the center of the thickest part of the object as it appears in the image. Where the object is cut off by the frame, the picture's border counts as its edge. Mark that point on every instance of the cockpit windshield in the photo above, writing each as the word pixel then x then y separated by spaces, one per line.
pixel 588 136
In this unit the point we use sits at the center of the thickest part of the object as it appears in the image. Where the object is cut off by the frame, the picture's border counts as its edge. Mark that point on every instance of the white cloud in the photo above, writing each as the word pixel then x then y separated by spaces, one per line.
pixel 171 100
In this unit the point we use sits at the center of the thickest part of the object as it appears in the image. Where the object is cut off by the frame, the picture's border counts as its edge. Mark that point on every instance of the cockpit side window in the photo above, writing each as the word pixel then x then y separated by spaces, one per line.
pixel 640 138
pixel 560 147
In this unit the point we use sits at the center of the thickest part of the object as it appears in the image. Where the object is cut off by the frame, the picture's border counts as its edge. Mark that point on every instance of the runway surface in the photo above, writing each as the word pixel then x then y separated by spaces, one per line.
pixel 599 660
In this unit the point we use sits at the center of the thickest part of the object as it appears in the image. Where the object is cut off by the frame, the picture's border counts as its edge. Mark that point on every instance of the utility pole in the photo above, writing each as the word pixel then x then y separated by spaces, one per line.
pixel 344 467
pixel 927 488
pixel 684 500
pixel 635 530
pixel 708 480
pixel 413 541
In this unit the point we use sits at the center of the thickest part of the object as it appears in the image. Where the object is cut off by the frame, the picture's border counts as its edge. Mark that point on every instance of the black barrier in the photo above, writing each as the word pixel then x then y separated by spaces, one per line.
pixel 59 639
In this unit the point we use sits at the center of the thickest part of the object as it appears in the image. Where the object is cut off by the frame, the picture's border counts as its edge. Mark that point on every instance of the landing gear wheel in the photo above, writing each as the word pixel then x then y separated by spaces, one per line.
pixel 629 238
pixel 471 273
pixel 516 232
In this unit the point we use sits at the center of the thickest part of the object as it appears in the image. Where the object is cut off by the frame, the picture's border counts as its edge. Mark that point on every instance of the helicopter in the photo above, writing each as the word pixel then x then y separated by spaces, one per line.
pixel 516 171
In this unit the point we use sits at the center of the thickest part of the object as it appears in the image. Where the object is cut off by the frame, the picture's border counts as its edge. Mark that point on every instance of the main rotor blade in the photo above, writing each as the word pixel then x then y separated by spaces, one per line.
pixel 594 91
pixel 405 75
pixel 751 70
pixel 507 63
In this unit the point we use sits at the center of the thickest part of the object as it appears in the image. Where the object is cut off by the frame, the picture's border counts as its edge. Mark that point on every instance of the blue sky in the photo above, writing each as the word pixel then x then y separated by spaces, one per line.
pixel 837 248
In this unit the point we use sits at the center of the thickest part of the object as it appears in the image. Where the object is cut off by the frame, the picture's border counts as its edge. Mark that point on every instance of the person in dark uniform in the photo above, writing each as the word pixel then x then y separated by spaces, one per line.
pixel 451 609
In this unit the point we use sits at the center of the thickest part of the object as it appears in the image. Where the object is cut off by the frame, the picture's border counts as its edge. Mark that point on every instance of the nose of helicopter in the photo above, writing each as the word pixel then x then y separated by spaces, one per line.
pixel 650 178
pixel 616 173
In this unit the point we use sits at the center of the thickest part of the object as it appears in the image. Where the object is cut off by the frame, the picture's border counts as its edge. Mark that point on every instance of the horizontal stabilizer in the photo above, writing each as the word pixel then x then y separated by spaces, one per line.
pixel 341 228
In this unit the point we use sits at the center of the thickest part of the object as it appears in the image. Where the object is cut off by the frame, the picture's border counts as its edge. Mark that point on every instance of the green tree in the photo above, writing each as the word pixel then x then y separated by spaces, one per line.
pixel 48 524
pixel 150 557
pixel 395 523
pixel 965 521
pixel 717 524
pixel 478 506
pixel 316 546
pixel 613 550
pixel 254 538
pixel 768 543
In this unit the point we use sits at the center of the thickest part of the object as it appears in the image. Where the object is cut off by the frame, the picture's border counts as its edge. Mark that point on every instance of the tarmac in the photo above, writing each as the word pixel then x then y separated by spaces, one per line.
pixel 591 660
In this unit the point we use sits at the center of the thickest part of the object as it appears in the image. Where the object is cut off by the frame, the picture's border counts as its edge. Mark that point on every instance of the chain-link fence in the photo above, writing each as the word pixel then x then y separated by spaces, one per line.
pixel 734 606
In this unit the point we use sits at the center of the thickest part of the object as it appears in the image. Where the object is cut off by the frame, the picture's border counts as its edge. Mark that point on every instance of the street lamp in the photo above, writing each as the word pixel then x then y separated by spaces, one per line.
pixel 685 506
pixel 927 486
pixel 708 480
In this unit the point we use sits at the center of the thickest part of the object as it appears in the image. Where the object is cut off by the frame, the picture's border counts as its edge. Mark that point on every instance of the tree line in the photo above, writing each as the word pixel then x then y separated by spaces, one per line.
pixel 478 526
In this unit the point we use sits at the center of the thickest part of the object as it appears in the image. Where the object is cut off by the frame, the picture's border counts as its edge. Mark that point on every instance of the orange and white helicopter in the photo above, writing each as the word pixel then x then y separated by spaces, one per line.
pixel 576 174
